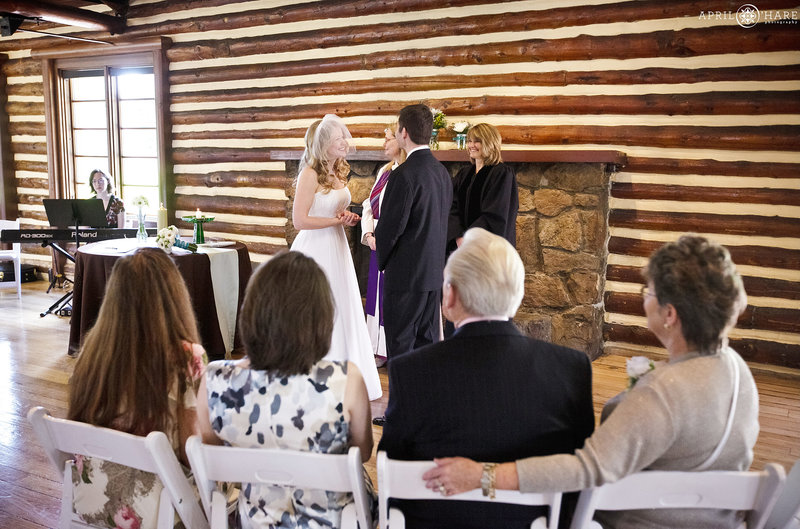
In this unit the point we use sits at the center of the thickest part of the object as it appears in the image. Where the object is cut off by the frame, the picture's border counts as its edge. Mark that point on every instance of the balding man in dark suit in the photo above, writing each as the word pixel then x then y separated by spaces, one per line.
pixel 411 237
pixel 488 392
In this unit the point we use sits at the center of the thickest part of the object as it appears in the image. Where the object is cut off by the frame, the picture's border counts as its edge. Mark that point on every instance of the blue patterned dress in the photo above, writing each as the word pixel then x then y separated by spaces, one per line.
pixel 251 408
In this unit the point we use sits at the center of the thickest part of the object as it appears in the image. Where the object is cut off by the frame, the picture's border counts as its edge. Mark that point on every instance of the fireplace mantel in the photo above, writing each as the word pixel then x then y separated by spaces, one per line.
pixel 616 158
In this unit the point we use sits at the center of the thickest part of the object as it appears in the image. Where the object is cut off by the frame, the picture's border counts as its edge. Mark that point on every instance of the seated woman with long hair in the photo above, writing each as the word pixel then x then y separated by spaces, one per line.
pixel 283 394
pixel 137 372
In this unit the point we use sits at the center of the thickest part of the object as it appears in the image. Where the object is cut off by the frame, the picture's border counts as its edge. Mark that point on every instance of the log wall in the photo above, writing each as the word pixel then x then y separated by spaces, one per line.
pixel 708 113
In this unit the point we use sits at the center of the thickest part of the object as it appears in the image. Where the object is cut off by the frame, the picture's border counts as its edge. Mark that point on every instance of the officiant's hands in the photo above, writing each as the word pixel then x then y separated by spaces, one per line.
pixel 348 218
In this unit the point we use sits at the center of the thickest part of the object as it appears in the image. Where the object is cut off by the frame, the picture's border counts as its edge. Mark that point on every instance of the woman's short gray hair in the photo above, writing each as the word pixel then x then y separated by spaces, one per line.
pixel 488 274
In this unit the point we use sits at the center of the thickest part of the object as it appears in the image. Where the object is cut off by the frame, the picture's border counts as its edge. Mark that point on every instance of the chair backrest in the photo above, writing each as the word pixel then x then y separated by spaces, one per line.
pixel 63 439
pixel 403 480
pixel 786 513
pixel 755 492
pixel 290 468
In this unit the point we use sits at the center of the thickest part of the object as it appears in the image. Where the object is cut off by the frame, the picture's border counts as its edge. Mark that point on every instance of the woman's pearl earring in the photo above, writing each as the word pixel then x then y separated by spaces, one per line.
pixel 666 325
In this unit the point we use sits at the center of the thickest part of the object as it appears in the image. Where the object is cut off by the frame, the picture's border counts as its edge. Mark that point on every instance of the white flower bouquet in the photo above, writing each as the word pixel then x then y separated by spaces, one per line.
pixel 141 202
pixel 168 237
pixel 637 367
pixel 461 127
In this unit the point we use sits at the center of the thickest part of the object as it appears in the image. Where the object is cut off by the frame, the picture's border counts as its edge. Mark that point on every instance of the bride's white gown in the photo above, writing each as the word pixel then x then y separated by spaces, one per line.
pixel 329 248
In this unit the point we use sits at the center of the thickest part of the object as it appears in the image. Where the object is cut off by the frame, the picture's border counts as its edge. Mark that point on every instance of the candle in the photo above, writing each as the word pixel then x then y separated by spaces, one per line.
pixel 162 217
pixel 198 215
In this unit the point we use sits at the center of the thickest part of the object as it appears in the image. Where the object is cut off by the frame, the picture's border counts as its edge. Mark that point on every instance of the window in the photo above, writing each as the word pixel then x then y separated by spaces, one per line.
pixel 112 117
pixel 103 112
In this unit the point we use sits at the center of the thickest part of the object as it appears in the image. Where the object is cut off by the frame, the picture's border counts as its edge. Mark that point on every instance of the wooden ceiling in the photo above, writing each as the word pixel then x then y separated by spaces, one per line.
pixel 28 15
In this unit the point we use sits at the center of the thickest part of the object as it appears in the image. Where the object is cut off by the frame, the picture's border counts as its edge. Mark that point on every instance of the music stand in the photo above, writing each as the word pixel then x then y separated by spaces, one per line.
pixel 66 213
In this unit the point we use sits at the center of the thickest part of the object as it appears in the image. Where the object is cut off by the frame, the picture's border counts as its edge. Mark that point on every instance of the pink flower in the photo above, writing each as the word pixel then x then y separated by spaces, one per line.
pixel 126 518
pixel 79 464
pixel 198 361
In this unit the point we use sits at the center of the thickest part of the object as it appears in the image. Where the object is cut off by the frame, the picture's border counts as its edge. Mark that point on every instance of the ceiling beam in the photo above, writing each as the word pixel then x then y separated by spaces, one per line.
pixel 70 16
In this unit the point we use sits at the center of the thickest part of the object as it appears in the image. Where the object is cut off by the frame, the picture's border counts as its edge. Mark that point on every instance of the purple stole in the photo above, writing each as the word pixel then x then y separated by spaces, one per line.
pixel 375 278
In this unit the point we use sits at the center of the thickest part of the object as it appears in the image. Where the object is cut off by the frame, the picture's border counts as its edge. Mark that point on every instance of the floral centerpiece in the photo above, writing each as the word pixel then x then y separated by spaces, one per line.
pixel 168 237
pixel 461 128
pixel 439 122
pixel 637 367
pixel 141 232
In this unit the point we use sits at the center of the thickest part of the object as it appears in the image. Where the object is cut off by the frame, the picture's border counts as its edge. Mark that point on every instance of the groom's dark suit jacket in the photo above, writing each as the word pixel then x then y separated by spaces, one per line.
pixel 411 235
pixel 491 394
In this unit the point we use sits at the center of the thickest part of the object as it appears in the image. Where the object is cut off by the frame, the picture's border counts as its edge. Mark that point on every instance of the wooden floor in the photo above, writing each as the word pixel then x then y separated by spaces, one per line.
pixel 35 370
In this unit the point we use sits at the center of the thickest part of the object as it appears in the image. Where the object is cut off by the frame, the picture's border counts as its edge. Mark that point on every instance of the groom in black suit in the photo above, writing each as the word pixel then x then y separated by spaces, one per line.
pixel 410 239
pixel 488 392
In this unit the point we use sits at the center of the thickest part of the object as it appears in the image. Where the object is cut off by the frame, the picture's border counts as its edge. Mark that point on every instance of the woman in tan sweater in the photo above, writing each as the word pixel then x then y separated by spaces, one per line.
pixel 675 417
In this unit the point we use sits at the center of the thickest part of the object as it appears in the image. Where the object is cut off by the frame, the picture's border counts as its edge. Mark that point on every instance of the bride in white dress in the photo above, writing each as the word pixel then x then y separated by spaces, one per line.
pixel 320 213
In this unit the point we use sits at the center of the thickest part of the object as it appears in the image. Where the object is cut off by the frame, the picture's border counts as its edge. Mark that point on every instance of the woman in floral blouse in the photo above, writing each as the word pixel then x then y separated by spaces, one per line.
pixel 283 394
pixel 137 372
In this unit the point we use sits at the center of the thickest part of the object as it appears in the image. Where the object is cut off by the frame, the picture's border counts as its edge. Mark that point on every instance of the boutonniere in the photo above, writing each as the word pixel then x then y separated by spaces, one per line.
pixel 638 366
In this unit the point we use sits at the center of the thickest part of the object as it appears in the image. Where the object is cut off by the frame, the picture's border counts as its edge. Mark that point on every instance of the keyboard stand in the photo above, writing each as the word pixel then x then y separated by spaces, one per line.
pixel 62 307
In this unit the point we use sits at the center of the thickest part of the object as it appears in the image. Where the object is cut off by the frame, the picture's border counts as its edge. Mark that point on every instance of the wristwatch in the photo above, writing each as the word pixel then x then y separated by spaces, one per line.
pixel 488 480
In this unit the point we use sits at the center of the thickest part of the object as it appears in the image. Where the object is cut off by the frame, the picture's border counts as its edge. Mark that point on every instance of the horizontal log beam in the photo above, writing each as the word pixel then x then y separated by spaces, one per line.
pixel 24 108
pixel 449 82
pixel 33 183
pixel 763 318
pixel 770 257
pixel 218 155
pixel 754 286
pixel 258 179
pixel 265 248
pixel 676 166
pixel 683 43
pixel 707 103
pixel 624 190
pixel 777 137
pixel 38 147
pixel 752 350
pixel 28 165
pixel 31 128
pixel 231 205
pixel 263 230
pixel 26 89
pixel 705 223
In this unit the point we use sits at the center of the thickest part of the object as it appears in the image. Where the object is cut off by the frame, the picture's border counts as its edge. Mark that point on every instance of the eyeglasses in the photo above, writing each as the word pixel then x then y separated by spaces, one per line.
pixel 645 291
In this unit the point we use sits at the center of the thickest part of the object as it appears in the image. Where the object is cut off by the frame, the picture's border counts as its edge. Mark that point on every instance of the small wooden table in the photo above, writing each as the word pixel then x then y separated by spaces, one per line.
pixel 93 264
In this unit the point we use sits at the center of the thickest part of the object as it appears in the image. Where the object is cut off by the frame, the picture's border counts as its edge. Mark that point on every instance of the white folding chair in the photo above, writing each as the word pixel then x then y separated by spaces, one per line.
pixel 63 439
pixel 14 254
pixel 755 492
pixel 289 468
pixel 403 480
pixel 786 513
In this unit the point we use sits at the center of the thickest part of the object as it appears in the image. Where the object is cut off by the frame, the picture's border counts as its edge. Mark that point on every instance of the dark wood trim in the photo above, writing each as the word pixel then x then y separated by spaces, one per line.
pixel 789 197
pixel 449 155
pixel 752 350
pixel 446 82
pixel 228 204
pixel 276 179
pixel 8 181
pixel 754 286
pixel 769 256
pixel 85 51
pixel 763 318
pixel 691 42
pixel 678 166
pixel 705 223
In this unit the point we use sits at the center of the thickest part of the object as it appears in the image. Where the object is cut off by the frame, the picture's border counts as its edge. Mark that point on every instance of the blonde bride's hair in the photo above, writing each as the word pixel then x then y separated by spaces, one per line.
pixel 318 139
